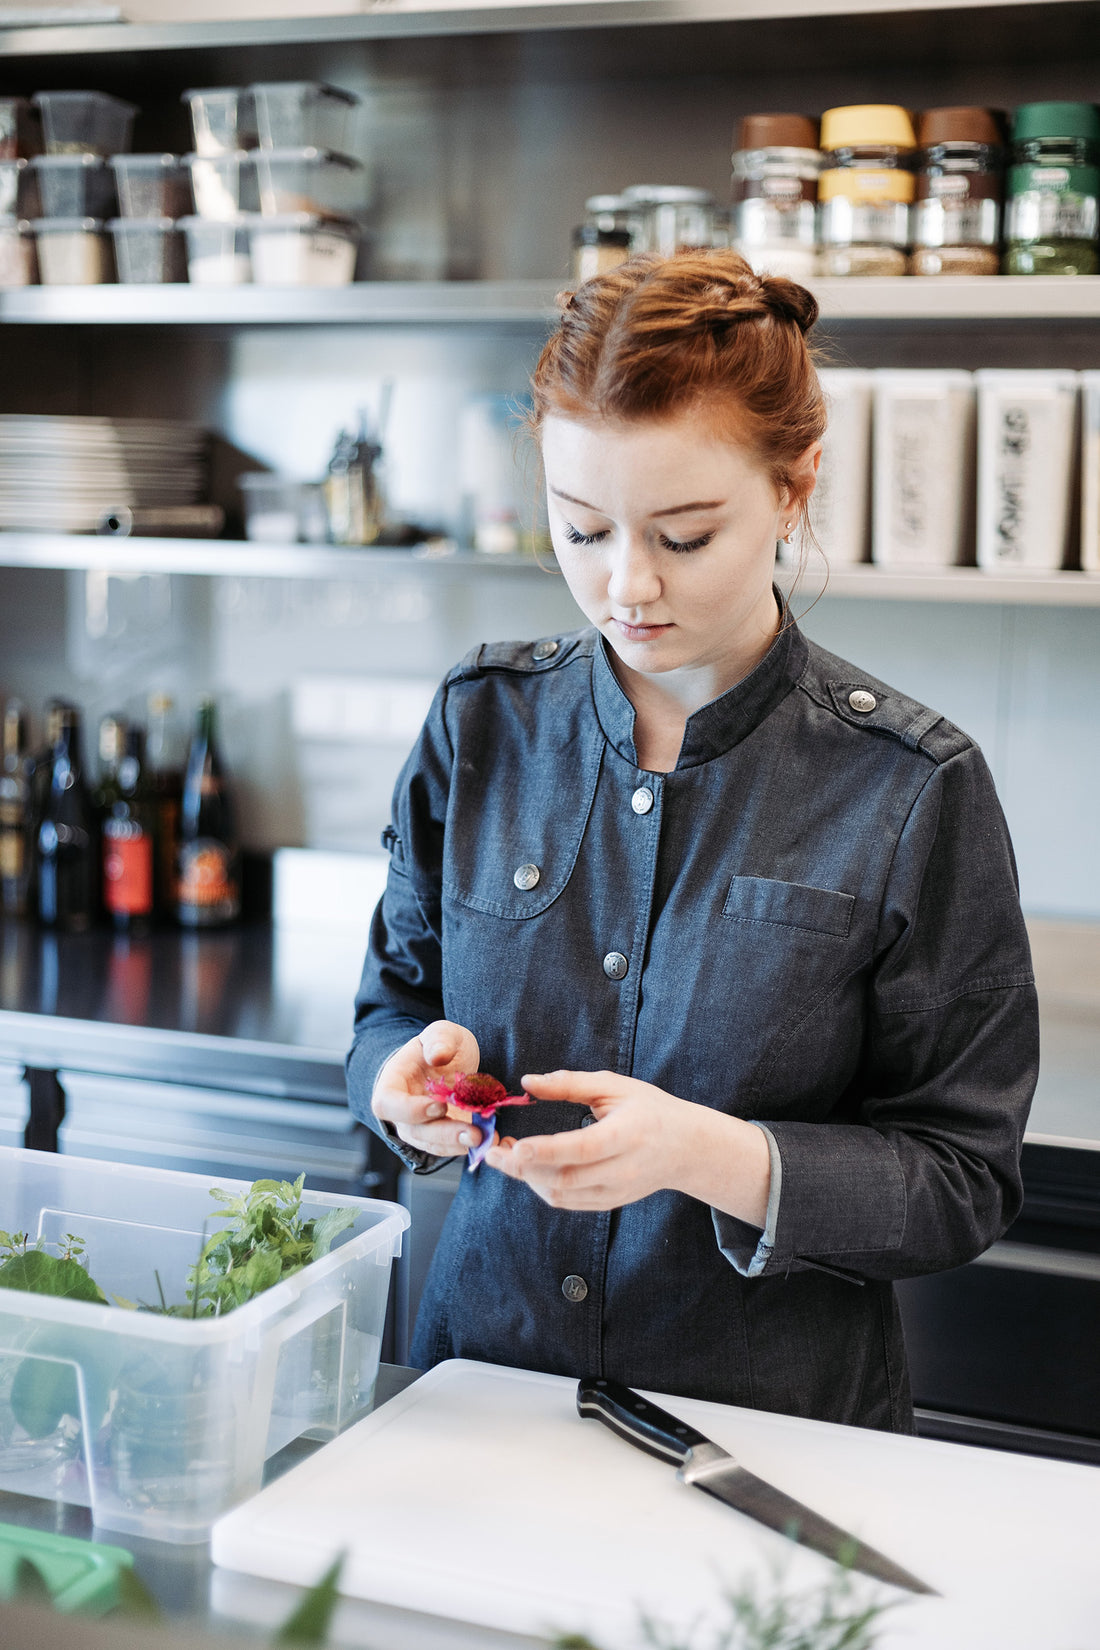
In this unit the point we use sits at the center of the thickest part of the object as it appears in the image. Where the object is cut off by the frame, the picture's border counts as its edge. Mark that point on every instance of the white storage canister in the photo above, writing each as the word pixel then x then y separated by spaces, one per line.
pixel 923 468
pixel 839 510
pixel 1090 472
pixel 1026 466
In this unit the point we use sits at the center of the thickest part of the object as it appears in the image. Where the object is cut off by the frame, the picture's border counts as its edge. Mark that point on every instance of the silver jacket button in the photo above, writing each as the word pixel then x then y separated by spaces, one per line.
pixel 544 650
pixel 861 700
pixel 526 877
pixel 642 800
pixel 588 1119
pixel 615 965
pixel 574 1288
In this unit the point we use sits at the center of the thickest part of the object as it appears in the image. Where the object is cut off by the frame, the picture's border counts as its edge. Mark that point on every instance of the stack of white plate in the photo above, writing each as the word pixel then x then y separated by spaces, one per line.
pixel 61 474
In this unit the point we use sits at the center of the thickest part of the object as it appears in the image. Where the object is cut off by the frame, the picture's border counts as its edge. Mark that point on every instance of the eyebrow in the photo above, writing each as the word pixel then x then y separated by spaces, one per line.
pixel 673 510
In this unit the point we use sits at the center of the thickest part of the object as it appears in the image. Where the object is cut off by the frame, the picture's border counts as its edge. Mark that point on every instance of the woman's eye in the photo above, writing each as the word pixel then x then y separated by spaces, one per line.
pixel 576 537
pixel 686 544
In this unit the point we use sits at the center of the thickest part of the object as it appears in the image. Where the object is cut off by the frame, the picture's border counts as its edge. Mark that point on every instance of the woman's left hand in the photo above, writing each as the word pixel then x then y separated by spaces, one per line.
pixel 640 1139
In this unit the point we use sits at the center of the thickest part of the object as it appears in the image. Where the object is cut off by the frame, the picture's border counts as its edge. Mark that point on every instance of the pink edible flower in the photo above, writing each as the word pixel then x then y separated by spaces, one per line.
pixel 476 1091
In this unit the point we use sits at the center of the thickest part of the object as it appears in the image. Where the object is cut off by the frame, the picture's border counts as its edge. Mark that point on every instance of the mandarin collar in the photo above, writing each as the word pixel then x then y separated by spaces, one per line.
pixel 718 726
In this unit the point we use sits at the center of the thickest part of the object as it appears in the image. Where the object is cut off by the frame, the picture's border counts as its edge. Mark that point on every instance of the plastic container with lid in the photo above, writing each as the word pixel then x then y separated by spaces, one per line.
pixel 225 185
pixel 148 250
pixel 75 186
pixel 670 218
pixel 280 511
pixel 217 250
pixel 865 189
pixel 223 119
pixel 303 114
pixel 20 131
pixel 776 162
pixel 161 1423
pixel 308 180
pixel 73 251
pixel 1027 451
pixel 595 250
pixel 18 263
pixel 75 123
pixel 956 218
pixel 1052 194
pixel 923 467
pixel 152 186
pixel 19 193
pixel 302 249
pixel 839 510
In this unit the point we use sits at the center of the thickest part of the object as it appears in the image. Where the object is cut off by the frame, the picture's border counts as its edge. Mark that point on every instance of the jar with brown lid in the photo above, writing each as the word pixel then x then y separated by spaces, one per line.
pixel 776 162
pixel 866 189
pixel 956 218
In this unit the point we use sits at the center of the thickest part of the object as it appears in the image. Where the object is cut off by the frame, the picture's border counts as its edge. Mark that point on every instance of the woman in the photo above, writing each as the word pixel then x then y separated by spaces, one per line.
pixel 693 881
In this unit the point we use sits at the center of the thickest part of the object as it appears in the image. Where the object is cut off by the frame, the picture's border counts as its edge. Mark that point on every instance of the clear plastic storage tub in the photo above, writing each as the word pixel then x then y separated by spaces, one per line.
pixel 72 251
pixel 223 118
pixel 149 250
pixel 300 114
pixel 308 180
pixel 160 1424
pixel 223 185
pixel 152 186
pixel 75 186
pixel 280 511
pixel 76 123
pixel 18 264
pixel 299 249
pixel 217 251
pixel 19 197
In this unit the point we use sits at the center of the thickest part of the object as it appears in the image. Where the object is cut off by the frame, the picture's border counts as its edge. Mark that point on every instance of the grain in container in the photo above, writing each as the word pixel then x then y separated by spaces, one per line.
pixel 776 163
pixel 152 186
pixel 1027 452
pixel 75 123
pixel 668 218
pixel 1052 190
pixel 217 250
pixel 148 250
pixel 75 186
pixel 19 193
pixel 316 181
pixel 302 249
pixel 840 505
pixel 596 250
pixel 18 262
pixel 956 217
pixel 865 189
pixel 73 251
pixel 923 468
pixel 223 119
pixel 20 129
pixel 224 186
pixel 301 114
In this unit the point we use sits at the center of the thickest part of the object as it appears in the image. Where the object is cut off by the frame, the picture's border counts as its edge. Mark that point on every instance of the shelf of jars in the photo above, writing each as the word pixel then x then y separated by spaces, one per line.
pixel 234 558
pixel 528 303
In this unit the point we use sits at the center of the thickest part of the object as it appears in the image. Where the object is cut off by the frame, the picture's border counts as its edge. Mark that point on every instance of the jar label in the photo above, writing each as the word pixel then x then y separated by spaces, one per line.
pixel 758 222
pixel 206 878
pixel 779 190
pixel 127 870
pixel 956 222
pixel 1058 202
pixel 844 222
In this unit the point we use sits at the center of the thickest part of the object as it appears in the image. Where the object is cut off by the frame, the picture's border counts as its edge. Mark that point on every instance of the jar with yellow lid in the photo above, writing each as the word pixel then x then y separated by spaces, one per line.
pixel 865 189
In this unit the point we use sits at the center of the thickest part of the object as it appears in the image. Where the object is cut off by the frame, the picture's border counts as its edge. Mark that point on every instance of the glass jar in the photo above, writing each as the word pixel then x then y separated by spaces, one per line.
pixel 608 212
pixel 865 189
pixel 776 163
pixel 956 218
pixel 667 218
pixel 1052 200
pixel 595 250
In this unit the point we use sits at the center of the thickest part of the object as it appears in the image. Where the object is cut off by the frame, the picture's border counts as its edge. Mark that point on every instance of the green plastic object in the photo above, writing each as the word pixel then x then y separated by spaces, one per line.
pixel 1062 120
pixel 79 1575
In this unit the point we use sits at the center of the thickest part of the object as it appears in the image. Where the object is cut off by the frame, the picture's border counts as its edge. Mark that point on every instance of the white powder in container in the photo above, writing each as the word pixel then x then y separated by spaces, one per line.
pixel 72 252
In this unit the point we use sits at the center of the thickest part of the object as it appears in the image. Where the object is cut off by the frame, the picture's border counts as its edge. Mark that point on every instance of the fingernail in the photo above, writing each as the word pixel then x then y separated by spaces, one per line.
pixel 465 1138
pixel 436 1109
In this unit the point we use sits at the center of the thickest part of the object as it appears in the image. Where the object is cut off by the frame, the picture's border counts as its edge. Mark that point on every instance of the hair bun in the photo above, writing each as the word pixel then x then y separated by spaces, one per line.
pixel 788 301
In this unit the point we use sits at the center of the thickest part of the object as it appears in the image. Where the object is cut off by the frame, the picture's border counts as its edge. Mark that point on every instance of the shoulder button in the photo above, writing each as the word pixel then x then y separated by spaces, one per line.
pixel 861 700
pixel 544 650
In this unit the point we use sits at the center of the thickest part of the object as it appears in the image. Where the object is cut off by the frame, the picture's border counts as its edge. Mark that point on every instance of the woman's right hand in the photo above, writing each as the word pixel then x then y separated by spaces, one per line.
pixel 400 1098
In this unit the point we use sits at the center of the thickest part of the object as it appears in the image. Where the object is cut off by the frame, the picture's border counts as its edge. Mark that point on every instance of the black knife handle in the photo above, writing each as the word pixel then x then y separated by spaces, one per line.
pixel 636 1419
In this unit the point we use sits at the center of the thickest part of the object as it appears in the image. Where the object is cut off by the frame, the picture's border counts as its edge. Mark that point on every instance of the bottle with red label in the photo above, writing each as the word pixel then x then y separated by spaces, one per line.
pixel 208 880
pixel 128 829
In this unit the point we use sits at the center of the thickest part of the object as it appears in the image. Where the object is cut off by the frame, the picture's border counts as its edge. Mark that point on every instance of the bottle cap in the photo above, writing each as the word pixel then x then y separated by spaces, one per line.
pixel 960 125
pixel 1055 120
pixel 872 124
pixel 776 132
pixel 590 234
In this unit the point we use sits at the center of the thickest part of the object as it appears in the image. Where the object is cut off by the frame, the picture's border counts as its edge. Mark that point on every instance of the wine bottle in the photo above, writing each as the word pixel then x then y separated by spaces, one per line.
pixel 67 842
pixel 164 761
pixel 129 832
pixel 15 813
pixel 208 884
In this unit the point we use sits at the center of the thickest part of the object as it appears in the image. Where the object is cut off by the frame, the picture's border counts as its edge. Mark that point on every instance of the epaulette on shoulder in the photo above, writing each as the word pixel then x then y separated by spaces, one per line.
pixel 865 702
pixel 525 658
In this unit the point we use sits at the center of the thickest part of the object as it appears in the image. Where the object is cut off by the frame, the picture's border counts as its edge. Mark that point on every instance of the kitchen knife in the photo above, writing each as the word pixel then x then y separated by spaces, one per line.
pixel 707 1466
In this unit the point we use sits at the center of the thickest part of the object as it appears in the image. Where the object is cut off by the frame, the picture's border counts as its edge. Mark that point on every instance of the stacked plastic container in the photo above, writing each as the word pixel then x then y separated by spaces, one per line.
pixel 76 186
pixel 19 140
pixel 275 193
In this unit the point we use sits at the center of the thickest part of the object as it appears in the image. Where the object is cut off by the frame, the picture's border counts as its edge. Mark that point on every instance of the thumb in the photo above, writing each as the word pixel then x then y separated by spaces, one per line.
pixel 581 1088
pixel 440 1043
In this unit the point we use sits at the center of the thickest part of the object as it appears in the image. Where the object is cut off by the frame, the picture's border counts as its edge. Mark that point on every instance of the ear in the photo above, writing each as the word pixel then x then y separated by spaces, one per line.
pixel 803 478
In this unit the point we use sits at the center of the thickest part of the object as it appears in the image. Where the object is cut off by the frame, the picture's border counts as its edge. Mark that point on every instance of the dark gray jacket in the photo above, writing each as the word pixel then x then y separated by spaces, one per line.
pixel 818 915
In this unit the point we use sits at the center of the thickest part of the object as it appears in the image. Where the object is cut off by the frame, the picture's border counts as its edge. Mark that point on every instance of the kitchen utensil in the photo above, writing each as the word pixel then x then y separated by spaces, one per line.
pixel 707 1466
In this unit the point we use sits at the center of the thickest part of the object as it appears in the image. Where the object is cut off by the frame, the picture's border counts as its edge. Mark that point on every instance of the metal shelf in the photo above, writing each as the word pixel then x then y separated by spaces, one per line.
pixel 527 303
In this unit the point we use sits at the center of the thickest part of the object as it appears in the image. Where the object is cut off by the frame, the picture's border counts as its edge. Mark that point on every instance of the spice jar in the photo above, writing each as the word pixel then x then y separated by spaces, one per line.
pixel 865 189
pixel 667 218
pixel 956 220
pixel 776 163
pixel 1053 190
pixel 596 250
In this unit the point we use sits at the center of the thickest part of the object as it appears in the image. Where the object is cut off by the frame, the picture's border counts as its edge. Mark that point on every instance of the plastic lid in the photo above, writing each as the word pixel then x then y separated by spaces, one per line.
pixel 589 234
pixel 239 220
pixel 958 125
pixel 303 220
pixel 309 157
pixel 776 132
pixel 1038 120
pixel 50 226
pixel 867 123
pixel 210 91
pixel 87 158
pixel 605 203
pixel 318 88
pixel 240 156
pixel 672 194
pixel 146 162
pixel 137 226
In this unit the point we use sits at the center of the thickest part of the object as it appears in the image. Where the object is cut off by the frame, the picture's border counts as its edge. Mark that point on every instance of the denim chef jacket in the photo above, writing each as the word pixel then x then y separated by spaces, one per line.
pixel 812 922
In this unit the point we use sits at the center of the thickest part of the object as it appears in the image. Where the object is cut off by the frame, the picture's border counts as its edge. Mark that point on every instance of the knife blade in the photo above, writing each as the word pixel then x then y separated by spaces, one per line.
pixel 707 1466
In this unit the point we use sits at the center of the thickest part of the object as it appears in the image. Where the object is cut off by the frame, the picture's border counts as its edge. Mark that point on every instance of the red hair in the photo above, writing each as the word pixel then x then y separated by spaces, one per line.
pixel 658 336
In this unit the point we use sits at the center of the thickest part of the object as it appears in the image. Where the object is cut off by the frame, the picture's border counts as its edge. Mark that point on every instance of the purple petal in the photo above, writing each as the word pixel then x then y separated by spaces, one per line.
pixel 483 1122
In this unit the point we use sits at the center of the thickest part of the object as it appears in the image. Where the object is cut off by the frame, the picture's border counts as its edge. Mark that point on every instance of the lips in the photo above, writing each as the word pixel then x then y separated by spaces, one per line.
pixel 640 632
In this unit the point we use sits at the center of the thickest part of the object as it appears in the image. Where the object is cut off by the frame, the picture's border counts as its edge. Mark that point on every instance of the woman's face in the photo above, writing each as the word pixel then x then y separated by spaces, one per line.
pixel 666 535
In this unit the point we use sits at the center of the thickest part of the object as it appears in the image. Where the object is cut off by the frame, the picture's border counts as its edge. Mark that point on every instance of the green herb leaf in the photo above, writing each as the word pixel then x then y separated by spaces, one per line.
pixel 309 1622
pixel 42 1274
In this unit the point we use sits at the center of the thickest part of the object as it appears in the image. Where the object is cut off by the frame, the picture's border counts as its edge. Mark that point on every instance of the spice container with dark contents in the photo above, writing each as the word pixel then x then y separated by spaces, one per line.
pixel 776 164
pixel 866 189
pixel 1052 197
pixel 956 218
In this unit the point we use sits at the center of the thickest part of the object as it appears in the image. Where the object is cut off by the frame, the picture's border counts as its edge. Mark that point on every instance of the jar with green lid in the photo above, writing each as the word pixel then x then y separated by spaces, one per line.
pixel 865 189
pixel 1052 200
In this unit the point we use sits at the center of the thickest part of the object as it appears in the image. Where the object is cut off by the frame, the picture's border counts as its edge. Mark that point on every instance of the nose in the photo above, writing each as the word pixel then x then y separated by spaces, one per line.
pixel 632 580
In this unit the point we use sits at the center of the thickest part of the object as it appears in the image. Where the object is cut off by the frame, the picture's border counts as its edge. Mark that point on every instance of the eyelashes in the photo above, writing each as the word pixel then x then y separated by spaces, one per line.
pixel 677 546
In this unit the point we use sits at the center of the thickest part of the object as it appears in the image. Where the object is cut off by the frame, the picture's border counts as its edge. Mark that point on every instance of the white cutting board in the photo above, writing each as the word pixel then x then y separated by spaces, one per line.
pixel 479 1493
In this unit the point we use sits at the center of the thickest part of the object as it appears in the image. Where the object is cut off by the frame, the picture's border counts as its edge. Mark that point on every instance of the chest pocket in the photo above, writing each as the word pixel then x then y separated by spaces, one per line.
pixel 514 831
pixel 789 905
